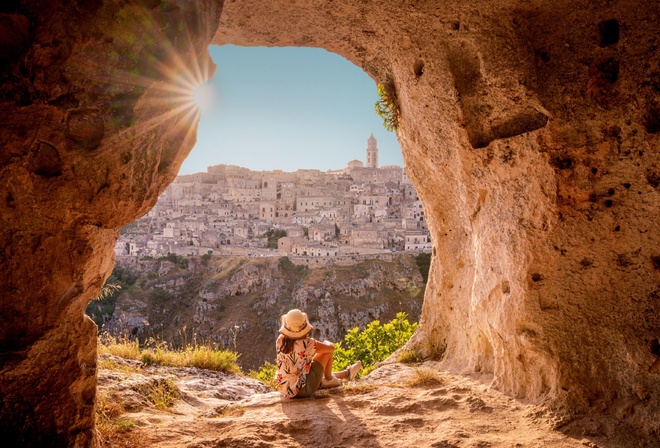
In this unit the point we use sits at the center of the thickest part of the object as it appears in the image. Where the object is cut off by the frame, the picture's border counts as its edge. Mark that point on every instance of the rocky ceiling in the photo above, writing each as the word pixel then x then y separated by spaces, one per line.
pixel 529 128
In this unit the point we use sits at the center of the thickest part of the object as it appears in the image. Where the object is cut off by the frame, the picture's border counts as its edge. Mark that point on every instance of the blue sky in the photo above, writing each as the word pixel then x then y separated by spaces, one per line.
pixel 288 108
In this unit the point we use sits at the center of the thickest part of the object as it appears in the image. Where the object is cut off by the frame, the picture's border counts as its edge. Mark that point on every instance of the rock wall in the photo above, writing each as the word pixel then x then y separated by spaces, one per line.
pixel 530 130
pixel 94 123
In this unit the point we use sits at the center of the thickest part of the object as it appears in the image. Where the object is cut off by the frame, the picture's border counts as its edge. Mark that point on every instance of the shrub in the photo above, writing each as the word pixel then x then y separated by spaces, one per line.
pixel 265 374
pixel 179 261
pixel 201 355
pixel 373 344
pixel 273 236
pixel 387 107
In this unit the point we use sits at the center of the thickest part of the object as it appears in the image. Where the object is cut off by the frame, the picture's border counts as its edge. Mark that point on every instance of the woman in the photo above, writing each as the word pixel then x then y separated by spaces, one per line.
pixel 304 364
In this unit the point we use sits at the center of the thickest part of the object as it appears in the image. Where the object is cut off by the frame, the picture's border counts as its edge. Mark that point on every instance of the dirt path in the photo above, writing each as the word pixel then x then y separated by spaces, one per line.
pixel 396 406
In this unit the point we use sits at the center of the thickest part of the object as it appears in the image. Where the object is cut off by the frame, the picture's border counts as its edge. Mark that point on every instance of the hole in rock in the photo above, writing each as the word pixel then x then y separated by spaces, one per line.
pixel 655 260
pixel 286 191
pixel 655 347
pixel 418 69
pixel 608 32
pixel 562 162
pixel 652 120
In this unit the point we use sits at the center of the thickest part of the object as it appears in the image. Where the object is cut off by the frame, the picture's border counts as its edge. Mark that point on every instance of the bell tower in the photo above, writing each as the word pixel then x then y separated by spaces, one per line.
pixel 372 153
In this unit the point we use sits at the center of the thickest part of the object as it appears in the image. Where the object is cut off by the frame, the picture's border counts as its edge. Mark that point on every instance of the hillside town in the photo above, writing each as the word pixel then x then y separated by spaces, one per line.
pixel 359 210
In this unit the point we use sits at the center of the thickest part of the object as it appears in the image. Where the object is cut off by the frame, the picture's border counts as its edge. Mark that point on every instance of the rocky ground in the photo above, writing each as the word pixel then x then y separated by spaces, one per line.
pixel 397 405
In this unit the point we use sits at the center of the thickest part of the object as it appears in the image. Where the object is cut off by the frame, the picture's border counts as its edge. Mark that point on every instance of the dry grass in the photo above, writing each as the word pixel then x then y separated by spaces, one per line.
pixel 119 346
pixel 204 356
pixel 229 411
pixel 109 364
pixel 425 377
pixel 358 388
pixel 115 430
pixel 409 357
pixel 161 392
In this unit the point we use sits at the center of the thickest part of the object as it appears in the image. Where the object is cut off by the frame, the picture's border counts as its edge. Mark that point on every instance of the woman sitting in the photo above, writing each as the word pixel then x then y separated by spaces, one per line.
pixel 304 364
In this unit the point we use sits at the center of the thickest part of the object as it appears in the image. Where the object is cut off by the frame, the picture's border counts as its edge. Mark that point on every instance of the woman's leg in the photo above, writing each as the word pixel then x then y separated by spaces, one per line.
pixel 325 359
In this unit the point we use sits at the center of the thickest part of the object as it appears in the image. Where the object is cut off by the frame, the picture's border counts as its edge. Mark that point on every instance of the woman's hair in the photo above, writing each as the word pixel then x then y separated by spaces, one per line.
pixel 287 345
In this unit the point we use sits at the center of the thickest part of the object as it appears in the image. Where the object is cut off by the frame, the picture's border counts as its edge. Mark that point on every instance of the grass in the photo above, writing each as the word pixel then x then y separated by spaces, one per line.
pixel 229 411
pixel 409 357
pixel 161 392
pixel 358 388
pixel 425 377
pixel 115 430
pixel 109 364
pixel 201 355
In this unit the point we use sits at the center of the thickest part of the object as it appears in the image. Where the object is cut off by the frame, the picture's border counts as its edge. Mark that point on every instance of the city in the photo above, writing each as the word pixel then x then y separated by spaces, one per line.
pixel 362 209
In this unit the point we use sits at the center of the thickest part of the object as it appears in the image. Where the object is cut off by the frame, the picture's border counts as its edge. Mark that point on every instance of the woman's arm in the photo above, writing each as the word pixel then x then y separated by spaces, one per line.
pixel 324 347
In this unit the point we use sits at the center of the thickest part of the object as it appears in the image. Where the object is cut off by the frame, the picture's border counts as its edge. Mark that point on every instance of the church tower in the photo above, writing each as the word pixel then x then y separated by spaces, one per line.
pixel 372 152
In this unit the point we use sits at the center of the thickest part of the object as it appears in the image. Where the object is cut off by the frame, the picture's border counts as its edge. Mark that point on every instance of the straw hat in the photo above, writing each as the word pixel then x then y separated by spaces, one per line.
pixel 295 324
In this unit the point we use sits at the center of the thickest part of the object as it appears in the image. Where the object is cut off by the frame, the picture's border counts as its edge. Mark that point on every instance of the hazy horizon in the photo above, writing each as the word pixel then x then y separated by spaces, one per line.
pixel 288 109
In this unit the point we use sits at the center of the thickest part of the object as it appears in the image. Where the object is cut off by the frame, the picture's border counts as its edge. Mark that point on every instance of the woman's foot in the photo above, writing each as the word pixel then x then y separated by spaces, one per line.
pixel 327 383
pixel 353 370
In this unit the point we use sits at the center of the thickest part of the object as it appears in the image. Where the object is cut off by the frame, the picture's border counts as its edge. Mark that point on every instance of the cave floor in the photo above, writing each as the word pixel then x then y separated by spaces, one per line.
pixel 397 405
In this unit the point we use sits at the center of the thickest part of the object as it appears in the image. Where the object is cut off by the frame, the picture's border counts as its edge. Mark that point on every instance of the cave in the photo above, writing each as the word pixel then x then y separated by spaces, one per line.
pixel 507 117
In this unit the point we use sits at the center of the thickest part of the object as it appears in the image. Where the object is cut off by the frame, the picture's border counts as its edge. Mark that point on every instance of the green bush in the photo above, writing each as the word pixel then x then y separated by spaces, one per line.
pixel 387 107
pixel 265 374
pixel 373 344
pixel 273 236
pixel 179 261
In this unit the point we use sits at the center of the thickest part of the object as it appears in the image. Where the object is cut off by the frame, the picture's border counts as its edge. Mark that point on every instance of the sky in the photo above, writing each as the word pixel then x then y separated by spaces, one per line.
pixel 288 108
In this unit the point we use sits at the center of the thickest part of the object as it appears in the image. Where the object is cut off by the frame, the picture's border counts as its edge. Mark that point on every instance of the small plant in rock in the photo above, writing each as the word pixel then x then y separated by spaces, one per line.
pixel 409 356
pixel 161 392
pixel 125 425
pixel 425 377
pixel 387 107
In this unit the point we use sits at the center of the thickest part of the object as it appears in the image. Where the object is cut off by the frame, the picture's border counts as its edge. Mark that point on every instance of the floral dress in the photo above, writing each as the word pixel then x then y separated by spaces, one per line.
pixel 292 368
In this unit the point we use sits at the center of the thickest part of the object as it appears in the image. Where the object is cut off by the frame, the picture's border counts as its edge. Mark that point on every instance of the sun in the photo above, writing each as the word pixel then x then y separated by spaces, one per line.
pixel 203 96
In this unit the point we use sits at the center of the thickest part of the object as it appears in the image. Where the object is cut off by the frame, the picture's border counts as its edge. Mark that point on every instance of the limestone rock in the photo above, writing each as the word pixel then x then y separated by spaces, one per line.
pixel 563 212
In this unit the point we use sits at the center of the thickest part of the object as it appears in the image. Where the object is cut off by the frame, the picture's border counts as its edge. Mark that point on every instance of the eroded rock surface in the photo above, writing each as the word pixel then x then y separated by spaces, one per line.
pixel 94 124
pixel 530 130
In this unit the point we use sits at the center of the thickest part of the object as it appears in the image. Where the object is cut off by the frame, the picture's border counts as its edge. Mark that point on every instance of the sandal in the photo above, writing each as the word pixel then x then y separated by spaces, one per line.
pixel 328 383
pixel 353 370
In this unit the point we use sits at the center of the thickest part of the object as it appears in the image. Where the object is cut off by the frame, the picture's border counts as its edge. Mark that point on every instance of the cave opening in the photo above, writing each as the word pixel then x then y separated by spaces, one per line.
pixel 66 194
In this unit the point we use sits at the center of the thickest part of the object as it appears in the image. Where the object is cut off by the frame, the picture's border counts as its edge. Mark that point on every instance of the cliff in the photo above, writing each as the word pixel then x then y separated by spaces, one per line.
pixel 237 301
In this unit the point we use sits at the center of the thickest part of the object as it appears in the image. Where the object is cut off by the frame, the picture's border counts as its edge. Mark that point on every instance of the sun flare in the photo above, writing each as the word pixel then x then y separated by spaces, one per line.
pixel 203 96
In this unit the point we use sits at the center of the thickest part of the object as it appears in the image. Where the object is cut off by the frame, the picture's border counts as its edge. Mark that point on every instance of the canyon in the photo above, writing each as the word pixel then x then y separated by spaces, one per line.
pixel 529 129
pixel 236 302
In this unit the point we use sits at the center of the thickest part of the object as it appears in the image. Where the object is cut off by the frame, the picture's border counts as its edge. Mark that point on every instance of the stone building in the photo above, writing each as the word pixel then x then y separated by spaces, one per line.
pixel 372 152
